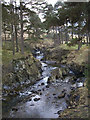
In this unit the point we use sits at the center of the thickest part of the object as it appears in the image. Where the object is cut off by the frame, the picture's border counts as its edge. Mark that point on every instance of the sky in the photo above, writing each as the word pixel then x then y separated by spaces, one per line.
pixel 49 1
pixel 54 1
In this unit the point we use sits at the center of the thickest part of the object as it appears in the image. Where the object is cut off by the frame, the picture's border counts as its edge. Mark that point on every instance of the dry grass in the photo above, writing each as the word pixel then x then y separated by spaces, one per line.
pixel 81 111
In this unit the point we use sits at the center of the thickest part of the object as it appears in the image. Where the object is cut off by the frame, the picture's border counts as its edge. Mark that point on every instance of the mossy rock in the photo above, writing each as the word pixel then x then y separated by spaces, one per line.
pixel 55 74
pixel 73 79
pixel 65 71
pixel 9 79
pixel 24 69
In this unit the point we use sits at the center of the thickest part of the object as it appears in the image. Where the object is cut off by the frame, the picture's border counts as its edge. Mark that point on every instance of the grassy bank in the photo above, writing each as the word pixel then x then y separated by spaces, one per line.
pixel 80 58
pixel 19 68
pixel 81 110
pixel 72 56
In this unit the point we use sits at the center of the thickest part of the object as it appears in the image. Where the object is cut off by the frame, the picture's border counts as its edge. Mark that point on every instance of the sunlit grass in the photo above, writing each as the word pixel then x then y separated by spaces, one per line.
pixel 7 56
pixel 75 47
pixel 65 46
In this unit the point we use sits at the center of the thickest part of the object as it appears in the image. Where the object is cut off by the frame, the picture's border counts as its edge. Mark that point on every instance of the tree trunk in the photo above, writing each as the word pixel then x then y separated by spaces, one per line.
pixel 53 29
pixel 12 37
pixel 5 36
pixel 57 41
pixel 59 35
pixel 12 28
pixel 78 30
pixel 21 22
pixel 72 30
pixel 4 33
pixel 53 35
pixel 16 38
pixel 87 38
pixel 88 23
pixel 66 32
pixel 66 37
pixel 79 43
pixel 78 35
pixel 56 29
pixel 28 34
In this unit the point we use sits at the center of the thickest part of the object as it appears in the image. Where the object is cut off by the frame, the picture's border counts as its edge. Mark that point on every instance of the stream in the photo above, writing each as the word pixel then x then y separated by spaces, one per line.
pixel 41 99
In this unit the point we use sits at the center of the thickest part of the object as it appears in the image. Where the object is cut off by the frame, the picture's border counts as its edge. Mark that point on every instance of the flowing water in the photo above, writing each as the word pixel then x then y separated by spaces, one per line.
pixel 42 99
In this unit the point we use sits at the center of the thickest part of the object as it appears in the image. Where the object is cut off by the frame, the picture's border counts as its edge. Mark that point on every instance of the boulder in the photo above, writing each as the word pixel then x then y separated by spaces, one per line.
pixel 39 90
pixel 55 74
pixel 25 71
pixel 34 91
pixel 78 70
pixel 47 86
pixel 73 79
pixel 40 93
pixel 30 99
pixel 14 109
pixel 58 73
pixel 62 95
pixel 65 71
pixel 36 99
pixel 49 79
pixel 32 105
pixel 42 83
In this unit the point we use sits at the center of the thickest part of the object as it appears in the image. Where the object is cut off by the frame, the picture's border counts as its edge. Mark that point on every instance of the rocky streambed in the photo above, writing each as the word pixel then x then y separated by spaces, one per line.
pixel 49 96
